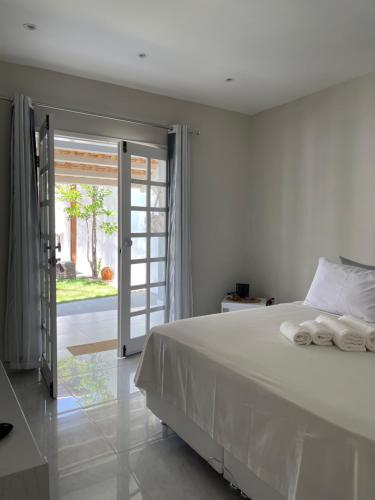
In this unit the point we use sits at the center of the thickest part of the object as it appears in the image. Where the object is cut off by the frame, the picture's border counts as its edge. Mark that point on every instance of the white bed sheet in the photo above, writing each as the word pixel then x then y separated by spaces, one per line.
pixel 302 418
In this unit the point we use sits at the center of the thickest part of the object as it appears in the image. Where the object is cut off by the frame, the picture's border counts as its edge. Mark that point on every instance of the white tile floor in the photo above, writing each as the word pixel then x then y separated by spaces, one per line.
pixel 101 441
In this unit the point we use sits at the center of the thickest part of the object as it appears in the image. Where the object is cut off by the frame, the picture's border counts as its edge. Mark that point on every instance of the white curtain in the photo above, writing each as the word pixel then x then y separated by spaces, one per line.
pixel 179 284
pixel 22 346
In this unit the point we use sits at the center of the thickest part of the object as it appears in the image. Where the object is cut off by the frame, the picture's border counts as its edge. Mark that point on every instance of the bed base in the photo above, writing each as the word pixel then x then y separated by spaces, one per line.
pixel 188 431
pixel 236 473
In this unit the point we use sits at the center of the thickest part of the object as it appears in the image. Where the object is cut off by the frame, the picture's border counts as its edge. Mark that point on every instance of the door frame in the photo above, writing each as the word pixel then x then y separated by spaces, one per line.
pixel 46 184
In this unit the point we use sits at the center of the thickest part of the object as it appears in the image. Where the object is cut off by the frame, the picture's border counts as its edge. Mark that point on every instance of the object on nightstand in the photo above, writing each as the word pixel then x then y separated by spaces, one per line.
pixel 5 429
pixel 243 290
pixel 233 302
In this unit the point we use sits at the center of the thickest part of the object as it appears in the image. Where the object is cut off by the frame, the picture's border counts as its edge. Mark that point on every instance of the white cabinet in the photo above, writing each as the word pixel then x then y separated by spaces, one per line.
pixel 23 469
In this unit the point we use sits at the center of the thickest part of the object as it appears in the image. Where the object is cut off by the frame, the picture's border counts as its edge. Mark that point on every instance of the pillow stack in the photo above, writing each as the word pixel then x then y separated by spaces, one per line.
pixel 346 290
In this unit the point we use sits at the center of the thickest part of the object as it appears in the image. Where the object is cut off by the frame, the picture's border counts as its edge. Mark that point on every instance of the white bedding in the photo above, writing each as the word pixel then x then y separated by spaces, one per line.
pixel 302 418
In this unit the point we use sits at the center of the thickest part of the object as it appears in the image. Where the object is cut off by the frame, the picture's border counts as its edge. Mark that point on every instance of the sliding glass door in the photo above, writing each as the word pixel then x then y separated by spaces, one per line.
pixel 143 216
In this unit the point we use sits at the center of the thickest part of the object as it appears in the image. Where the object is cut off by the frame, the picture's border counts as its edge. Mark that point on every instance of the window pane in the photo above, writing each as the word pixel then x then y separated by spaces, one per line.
pixel 137 274
pixel 157 272
pixel 138 168
pixel 137 326
pixel 137 300
pixel 139 248
pixel 138 195
pixel 158 222
pixel 157 318
pixel 158 196
pixel 157 296
pixel 138 221
pixel 158 170
pixel 158 246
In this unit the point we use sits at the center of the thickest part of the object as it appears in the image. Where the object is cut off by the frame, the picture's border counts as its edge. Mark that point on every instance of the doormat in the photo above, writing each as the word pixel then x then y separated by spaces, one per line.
pixel 104 345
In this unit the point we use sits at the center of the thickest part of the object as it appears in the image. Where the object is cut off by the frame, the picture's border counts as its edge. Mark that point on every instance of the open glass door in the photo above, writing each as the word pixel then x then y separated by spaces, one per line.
pixel 48 255
pixel 143 226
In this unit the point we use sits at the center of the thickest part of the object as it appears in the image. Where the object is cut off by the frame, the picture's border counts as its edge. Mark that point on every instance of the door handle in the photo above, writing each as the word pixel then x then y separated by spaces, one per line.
pixel 52 261
pixel 128 242
pixel 48 247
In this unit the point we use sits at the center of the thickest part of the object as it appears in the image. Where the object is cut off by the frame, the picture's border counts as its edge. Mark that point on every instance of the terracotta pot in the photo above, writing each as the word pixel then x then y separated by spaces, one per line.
pixel 107 274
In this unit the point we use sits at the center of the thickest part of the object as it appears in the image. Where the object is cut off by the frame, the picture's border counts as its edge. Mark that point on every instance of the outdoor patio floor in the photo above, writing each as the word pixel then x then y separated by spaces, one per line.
pixel 85 322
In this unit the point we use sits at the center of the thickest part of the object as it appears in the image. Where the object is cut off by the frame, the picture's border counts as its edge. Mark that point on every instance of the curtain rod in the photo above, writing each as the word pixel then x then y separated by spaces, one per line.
pixel 99 115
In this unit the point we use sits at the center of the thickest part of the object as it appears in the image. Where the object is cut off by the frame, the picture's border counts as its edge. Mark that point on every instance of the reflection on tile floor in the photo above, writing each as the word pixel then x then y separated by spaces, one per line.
pixel 101 441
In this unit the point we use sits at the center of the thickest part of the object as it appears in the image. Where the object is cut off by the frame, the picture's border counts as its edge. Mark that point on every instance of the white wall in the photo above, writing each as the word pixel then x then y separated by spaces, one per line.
pixel 312 186
pixel 220 165
pixel 62 229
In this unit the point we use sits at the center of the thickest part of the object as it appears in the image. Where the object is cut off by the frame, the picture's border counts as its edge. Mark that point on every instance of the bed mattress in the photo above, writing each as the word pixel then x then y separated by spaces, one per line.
pixel 302 419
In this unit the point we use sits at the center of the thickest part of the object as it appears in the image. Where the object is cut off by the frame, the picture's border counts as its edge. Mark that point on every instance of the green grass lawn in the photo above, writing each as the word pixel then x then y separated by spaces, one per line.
pixel 70 290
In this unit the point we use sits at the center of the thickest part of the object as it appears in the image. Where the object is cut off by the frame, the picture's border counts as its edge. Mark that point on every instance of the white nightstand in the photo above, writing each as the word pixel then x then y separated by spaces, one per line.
pixel 228 305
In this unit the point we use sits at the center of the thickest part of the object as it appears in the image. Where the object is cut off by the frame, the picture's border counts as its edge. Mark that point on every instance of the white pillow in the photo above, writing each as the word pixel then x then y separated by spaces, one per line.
pixel 341 289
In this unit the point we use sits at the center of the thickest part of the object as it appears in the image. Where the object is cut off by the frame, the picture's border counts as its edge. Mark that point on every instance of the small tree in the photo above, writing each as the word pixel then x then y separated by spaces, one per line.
pixel 87 204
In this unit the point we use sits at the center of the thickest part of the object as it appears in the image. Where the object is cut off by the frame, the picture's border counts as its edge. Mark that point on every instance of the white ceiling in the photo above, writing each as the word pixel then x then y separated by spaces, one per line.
pixel 276 50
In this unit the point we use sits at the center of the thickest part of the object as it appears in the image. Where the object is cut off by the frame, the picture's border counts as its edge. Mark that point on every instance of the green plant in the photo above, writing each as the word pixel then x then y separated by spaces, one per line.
pixel 87 202
pixel 99 266
pixel 72 290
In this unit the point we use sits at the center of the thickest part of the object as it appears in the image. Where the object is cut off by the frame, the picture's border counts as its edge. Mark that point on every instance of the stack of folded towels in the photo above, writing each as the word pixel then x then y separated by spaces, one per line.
pixel 347 333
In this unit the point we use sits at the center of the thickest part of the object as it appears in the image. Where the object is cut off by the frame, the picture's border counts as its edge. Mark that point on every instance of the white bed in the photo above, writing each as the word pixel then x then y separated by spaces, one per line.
pixel 280 421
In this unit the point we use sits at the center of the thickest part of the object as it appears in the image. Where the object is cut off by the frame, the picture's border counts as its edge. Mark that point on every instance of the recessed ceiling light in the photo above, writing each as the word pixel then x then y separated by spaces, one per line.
pixel 229 79
pixel 30 26
pixel 142 55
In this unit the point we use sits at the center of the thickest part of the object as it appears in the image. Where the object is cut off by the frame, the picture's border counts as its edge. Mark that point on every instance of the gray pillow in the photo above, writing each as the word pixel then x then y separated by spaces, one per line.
pixel 349 262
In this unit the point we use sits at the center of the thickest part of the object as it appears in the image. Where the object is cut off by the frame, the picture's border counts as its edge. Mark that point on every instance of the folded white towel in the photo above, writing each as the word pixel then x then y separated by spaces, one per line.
pixel 320 334
pixel 295 333
pixel 343 335
pixel 360 326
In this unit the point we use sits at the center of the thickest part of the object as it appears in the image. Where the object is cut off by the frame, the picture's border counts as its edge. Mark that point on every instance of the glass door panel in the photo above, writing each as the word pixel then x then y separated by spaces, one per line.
pixel 143 237
pixel 138 326
pixel 138 195
pixel 158 170
pixel 158 246
pixel 139 248
pixel 138 221
pixel 158 222
pixel 139 168
pixel 157 272
pixel 138 300
pixel 157 296
pixel 158 196
pixel 138 274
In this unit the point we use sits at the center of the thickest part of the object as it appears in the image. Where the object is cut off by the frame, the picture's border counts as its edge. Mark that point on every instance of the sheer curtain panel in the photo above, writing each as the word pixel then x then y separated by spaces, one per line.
pixel 179 283
pixel 22 340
